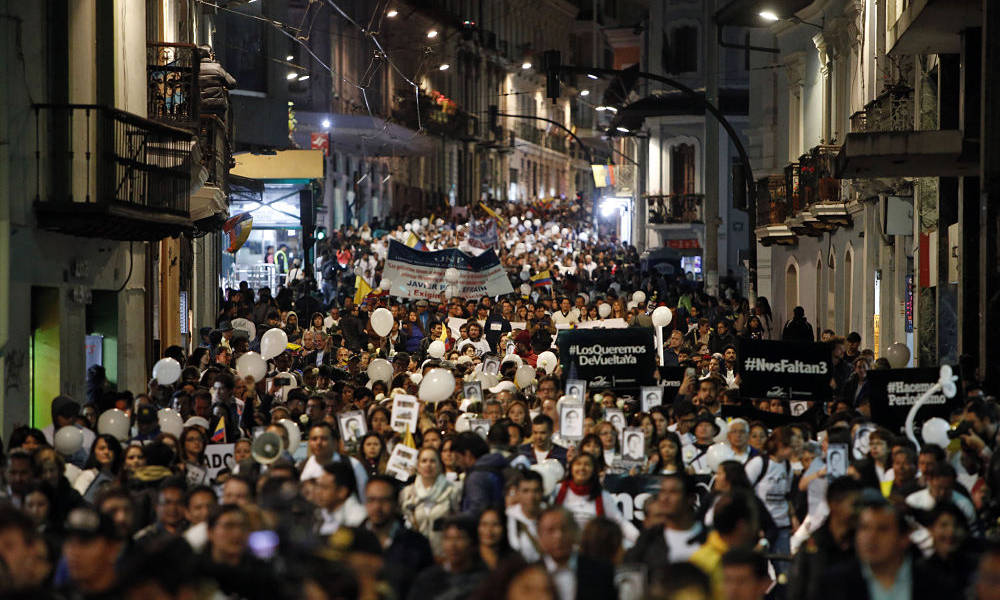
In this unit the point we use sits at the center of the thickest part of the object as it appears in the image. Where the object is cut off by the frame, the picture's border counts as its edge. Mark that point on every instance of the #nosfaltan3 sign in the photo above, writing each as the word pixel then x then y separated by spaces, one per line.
pixel 416 274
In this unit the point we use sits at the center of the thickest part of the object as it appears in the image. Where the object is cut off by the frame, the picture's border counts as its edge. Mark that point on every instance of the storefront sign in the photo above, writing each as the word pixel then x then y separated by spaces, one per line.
pixel 780 369
pixel 894 391
pixel 621 359
pixel 416 274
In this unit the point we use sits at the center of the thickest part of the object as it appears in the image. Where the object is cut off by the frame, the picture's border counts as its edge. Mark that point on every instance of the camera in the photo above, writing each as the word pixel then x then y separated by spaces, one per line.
pixel 963 428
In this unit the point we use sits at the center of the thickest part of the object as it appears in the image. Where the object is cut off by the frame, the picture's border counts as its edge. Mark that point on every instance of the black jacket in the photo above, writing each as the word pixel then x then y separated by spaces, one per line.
pixel 798 330
pixel 846 582
pixel 595 580
pixel 651 550
pixel 404 559
pixel 820 553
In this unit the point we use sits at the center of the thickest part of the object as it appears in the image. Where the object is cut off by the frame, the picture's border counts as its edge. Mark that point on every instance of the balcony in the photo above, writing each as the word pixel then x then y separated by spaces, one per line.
pixel 438 115
pixel 929 26
pixel 105 173
pixel 556 142
pixel 172 94
pixel 676 209
pixel 773 207
pixel 884 145
pixel 209 205
pixel 528 132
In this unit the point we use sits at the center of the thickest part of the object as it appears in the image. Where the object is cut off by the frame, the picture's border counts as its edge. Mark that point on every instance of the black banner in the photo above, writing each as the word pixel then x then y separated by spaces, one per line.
pixel 631 493
pixel 894 391
pixel 789 370
pixel 620 359
pixel 671 379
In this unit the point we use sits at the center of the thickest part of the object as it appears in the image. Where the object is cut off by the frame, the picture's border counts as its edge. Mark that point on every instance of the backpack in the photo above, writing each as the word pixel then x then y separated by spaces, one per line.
pixel 765 463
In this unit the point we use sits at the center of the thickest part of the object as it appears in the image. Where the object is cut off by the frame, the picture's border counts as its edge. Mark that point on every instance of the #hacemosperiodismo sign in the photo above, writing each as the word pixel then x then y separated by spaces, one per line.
pixel 894 391
pixel 416 274
pixel 611 358
pixel 780 369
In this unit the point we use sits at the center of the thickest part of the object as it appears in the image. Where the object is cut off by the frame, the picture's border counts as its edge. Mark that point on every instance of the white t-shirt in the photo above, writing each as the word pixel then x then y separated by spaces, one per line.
pixel 773 488
pixel 682 544
pixel 573 316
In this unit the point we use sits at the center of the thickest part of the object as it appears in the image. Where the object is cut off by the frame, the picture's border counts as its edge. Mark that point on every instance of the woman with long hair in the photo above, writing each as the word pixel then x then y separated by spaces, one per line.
pixel 316 322
pixel 200 359
pixel 103 466
pixel 372 453
pixel 412 332
pixel 763 310
pixel 430 497
pixel 770 475
pixel 519 415
pixel 582 495
pixel 449 459
pixel 494 546
pixel 610 446
pixel 378 422
pixel 192 455
pixel 667 458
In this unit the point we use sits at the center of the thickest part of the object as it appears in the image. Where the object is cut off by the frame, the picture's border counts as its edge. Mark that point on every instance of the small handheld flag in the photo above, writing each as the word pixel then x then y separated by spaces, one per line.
pixel 219 435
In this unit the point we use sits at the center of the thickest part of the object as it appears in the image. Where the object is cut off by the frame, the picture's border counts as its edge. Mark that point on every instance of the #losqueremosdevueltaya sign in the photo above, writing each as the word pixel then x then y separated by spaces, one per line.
pixel 620 359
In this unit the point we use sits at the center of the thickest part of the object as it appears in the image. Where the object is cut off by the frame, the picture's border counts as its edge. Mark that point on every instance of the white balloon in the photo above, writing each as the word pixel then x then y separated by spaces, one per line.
pixel 639 297
pixel 424 221
pixel 382 321
pixel 170 421
pixel 604 310
pixel 488 380
pixel 407 227
pixel 251 364
pixel 436 349
pixel 273 342
pixel 716 454
pixel 525 288
pixel 898 355
pixel 537 222
pixel 513 220
pixel 294 434
pixel 547 362
pixel 386 285
pixel 524 376
pixel 935 431
pixel 452 275
pixel 166 371
pixel 113 422
pixel 552 473
pixel 436 385
pixel 380 369
pixel 662 316
pixel 246 325
pixel 68 439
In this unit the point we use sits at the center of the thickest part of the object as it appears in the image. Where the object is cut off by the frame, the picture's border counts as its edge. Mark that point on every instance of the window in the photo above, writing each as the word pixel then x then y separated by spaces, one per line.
pixel 848 289
pixel 791 288
pixel 682 169
pixel 680 50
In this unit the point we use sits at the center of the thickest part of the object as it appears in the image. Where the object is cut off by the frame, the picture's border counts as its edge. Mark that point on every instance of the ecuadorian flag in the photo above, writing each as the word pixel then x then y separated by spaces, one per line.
pixel 541 279
pixel 219 435
pixel 361 289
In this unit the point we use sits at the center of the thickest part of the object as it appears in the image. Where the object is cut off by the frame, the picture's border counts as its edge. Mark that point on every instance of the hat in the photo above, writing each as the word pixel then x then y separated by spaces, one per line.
pixel 523 337
pixel 89 523
pixel 422 303
pixel 196 421
pixel 146 413
pixel 225 326
pixel 708 419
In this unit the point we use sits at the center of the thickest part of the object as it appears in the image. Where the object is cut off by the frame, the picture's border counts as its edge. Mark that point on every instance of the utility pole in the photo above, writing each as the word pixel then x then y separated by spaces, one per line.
pixel 710 268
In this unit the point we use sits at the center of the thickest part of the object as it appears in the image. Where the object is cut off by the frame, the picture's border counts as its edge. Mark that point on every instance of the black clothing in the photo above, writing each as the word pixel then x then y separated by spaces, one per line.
pixel 436 583
pixel 798 330
pixel 404 559
pixel 820 552
pixel 846 582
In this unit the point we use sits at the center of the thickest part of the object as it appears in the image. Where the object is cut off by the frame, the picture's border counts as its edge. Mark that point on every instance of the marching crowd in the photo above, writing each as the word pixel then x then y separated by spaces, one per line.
pixel 118 498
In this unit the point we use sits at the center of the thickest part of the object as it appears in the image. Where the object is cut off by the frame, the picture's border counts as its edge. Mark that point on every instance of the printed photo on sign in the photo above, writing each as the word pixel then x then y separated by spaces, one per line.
pixel 491 365
pixel 630 581
pixel 836 461
pixel 634 446
pixel 480 427
pixel 405 410
pixel 616 417
pixel 577 390
pixel 473 390
pixel 571 421
pixel 651 396
pixel 402 462
pixel 352 426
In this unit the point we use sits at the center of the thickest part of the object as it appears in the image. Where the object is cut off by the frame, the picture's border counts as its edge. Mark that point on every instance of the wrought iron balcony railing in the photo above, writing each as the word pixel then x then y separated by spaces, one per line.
pixel 103 172
pixel 172 93
pixel 216 150
pixel 772 200
pixel 892 110
pixel 676 208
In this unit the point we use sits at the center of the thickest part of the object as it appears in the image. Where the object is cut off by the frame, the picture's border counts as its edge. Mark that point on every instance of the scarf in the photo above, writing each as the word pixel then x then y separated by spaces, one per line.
pixel 580 490
pixel 431 495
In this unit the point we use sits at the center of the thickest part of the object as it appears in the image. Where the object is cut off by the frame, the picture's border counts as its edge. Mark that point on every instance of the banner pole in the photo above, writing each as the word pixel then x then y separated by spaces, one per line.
pixel 659 343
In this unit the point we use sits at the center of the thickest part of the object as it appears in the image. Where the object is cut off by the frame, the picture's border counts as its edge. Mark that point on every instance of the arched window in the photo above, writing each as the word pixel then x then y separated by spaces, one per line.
pixel 791 287
pixel 819 294
pixel 848 289
pixel 831 294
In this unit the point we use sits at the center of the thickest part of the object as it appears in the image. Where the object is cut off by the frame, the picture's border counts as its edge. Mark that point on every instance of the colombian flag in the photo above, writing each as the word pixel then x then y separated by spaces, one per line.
pixel 219 435
pixel 541 279
pixel 237 228
pixel 491 213
pixel 361 289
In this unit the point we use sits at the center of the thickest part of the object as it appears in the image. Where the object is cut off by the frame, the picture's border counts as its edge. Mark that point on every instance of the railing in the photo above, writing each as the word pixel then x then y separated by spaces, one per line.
pixel 676 208
pixel 437 115
pixel 555 142
pixel 216 151
pixel 816 181
pixel 772 203
pixel 892 110
pixel 172 94
pixel 529 133
pixel 87 154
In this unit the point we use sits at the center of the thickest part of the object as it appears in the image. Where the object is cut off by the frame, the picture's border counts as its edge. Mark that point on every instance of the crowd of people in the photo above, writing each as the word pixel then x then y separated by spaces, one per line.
pixel 496 502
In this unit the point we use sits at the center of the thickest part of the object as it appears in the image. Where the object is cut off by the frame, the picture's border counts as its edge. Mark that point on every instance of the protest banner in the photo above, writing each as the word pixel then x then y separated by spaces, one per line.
pixel 421 275
pixel 631 493
pixel 671 379
pixel 217 458
pixel 894 391
pixel 622 359
pixel 788 370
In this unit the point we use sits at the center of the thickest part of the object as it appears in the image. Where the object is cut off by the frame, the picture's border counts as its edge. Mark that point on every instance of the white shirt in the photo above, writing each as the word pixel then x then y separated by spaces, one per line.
pixel 772 488
pixel 695 458
pixel 563 578
pixel 573 316
pixel 681 543
pixel 584 509
pixel 522 533
pixel 348 514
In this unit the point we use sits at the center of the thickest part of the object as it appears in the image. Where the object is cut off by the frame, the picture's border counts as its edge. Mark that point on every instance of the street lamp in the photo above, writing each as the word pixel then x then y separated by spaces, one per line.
pixel 444 67
pixel 585 93
pixel 291 76
pixel 525 65
pixel 326 123
pixel 768 15
pixel 623 129
pixel 303 77
pixel 392 13
pixel 432 34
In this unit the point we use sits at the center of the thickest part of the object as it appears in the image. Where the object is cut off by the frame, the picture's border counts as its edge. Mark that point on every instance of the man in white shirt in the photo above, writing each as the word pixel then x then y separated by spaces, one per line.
pixel 941 488
pixel 522 518
pixel 681 533
pixel 476 339
pixel 566 315
pixel 322 451
pixel 334 496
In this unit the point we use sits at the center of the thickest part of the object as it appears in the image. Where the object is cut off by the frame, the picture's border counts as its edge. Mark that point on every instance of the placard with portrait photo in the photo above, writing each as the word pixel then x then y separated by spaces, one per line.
pixel 353 426
pixel 576 389
pixel 633 446
pixel 480 427
pixel 405 411
pixel 491 364
pixel 402 462
pixel 616 417
pixel 651 396
pixel 571 416
pixel 473 390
